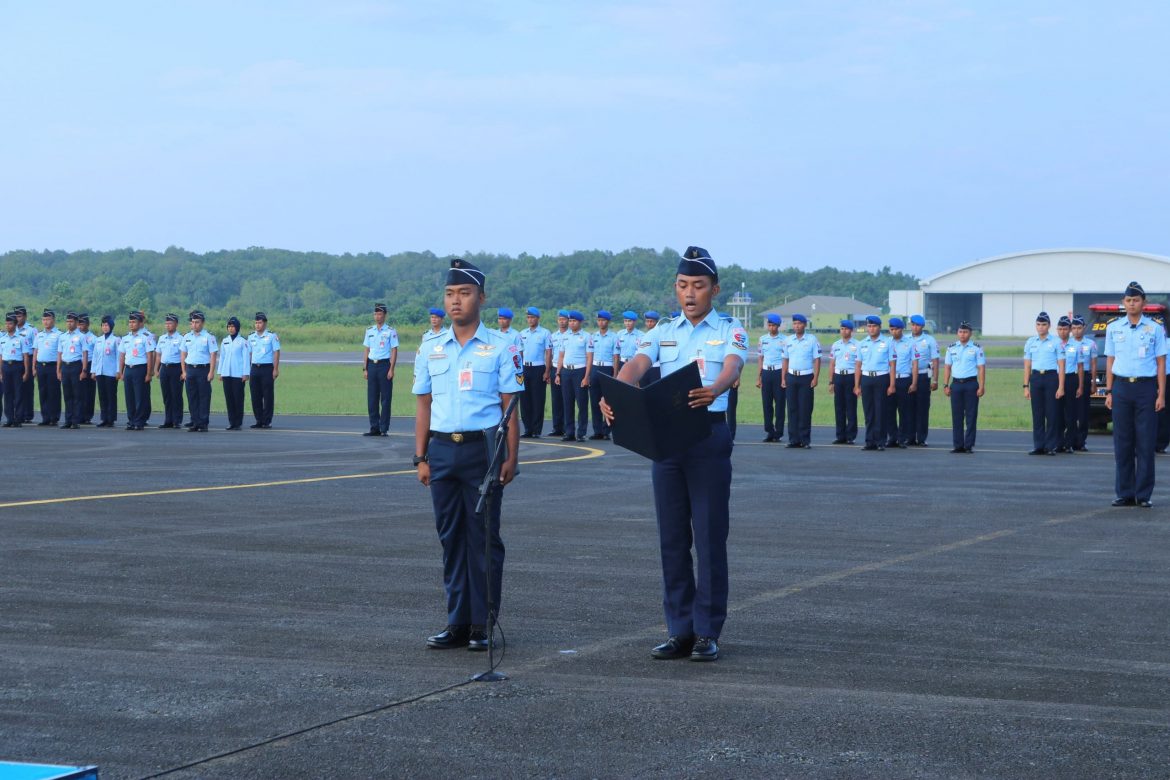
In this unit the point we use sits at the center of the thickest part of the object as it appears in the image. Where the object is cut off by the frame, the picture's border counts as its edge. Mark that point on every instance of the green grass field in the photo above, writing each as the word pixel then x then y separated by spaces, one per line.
pixel 341 390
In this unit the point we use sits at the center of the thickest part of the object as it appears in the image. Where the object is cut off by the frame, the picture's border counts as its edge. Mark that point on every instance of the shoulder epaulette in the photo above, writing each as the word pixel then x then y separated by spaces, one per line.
pixel 430 334
pixel 976 343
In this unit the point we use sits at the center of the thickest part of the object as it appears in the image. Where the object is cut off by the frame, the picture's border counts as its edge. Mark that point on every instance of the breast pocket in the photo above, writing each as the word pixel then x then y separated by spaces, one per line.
pixel 668 356
pixel 439 371
pixel 484 374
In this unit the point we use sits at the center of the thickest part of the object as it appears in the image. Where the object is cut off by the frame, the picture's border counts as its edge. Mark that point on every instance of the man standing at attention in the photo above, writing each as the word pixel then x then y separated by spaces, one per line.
pixel 381 354
pixel 842 365
pixel 770 378
pixel 536 344
pixel 692 489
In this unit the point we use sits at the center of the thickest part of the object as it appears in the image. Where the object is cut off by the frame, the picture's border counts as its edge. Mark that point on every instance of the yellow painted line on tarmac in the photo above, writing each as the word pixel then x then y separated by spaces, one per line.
pixel 587 454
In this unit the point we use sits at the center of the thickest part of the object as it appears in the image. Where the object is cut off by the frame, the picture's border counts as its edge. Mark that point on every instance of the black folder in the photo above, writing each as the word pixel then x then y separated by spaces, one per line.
pixel 655 421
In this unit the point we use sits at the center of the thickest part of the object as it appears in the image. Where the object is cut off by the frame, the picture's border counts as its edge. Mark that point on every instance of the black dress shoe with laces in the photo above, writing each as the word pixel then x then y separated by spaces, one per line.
pixel 674 647
pixel 958 451
pixel 449 637
pixel 477 639
pixel 705 649
pixel 372 432
pixel 1124 502
pixel 1145 503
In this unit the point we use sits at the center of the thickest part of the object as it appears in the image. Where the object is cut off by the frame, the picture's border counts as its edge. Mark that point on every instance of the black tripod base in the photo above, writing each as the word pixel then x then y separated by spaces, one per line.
pixel 491 676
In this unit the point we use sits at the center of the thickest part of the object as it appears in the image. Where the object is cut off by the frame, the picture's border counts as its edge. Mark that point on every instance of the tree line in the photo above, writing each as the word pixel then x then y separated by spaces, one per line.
pixel 316 287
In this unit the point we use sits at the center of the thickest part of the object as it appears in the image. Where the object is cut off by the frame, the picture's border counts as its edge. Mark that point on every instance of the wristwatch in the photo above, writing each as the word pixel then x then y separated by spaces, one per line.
pixel 421 459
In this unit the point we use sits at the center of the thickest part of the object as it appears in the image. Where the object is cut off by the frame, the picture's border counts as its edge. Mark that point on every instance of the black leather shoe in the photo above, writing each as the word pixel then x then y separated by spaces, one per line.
pixel 372 432
pixel 794 445
pixel 1036 452
pixel 44 424
pixel 449 637
pixel 768 439
pixel 1145 503
pixel 580 438
pixel 674 647
pixel 901 446
pixel 555 434
pixel 839 441
pixel 1124 502
pixel 597 437
pixel 188 425
pixel 166 425
pixel 869 447
pixel 568 438
pixel 477 639
pixel 1051 452
pixel 881 448
pixel 254 426
pixel 958 451
pixel 705 649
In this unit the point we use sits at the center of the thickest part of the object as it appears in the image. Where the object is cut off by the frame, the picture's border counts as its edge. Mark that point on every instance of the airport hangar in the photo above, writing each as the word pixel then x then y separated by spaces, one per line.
pixel 1001 296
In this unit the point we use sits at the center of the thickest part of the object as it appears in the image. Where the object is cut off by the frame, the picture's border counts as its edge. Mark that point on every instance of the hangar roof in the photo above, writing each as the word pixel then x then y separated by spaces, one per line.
pixel 1055 270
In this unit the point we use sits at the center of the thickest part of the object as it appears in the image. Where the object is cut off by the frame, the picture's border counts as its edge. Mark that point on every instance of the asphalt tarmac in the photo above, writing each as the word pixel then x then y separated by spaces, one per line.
pixel 254 605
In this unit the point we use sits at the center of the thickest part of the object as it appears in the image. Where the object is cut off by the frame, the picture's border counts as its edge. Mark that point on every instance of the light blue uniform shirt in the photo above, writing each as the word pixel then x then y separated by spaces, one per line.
pixel 235 357
pixel 45 344
pixel 465 383
pixel 772 348
pixel 965 359
pixel 263 347
pixel 875 354
pixel 1072 355
pixel 1043 352
pixel 380 341
pixel 801 352
pixel 29 332
pixel 904 352
pixel 136 347
pixel 557 339
pixel 105 355
pixel 603 347
pixel 197 347
pixel 1087 350
pixel 628 342
pixel 1135 350
pixel 845 355
pixel 88 339
pixel 536 341
pixel 716 339
pixel 14 347
pixel 71 345
pixel 925 351
pixel 574 347
pixel 169 348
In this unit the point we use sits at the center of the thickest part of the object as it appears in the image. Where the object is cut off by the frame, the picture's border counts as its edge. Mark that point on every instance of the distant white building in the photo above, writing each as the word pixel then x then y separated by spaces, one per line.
pixel 1001 296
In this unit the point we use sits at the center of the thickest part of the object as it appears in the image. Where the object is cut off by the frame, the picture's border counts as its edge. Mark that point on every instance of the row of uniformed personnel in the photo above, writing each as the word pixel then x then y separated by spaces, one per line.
pixel 85 368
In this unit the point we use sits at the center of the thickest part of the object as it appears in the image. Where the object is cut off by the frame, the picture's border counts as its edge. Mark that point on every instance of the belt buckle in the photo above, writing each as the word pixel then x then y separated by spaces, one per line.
pixel 1131 379
pixel 457 438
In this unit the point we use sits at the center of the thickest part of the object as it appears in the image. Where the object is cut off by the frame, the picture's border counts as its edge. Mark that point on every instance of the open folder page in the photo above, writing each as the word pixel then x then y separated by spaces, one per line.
pixel 655 421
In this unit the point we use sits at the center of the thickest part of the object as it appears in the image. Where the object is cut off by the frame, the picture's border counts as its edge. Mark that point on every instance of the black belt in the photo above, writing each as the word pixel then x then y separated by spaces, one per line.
pixel 964 379
pixel 718 417
pixel 377 362
pixel 459 437
pixel 1046 371
pixel 14 362
pixel 198 365
pixel 46 363
pixel 1134 378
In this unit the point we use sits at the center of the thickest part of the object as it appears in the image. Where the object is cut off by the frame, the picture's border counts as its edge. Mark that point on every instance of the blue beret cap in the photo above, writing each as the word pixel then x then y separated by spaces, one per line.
pixel 800 318
pixel 847 324
pixel 674 314
pixel 629 315
pixel 604 315
pixel 435 310
pixel 562 312
pixel 918 319
pixel 873 319
pixel 897 322
pixel 535 312
pixel 505 312
pixel 651 315
pixel 773 319
pixel 576 315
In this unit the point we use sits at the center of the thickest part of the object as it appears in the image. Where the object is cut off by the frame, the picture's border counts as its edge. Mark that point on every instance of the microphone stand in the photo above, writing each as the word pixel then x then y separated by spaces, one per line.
pixel 482 507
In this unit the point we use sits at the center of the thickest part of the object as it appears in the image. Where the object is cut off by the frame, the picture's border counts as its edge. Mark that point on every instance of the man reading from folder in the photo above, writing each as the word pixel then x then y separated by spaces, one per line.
pixel 692 488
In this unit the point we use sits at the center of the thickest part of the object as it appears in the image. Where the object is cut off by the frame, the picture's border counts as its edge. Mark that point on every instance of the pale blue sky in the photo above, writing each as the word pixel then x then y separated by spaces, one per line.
pixel 919 134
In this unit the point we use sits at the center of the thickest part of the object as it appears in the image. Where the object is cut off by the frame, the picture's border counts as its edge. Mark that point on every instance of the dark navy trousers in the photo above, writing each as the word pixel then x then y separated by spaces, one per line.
pixel 198 395
pixel 1163 440
pixel 88 397
pixel 263 390
pixel 456 473
pixel 50 392
pixel 13 381
pixel 575 398
pixel 873 403
pixel 964 412
pixel 899 408
pixel 71 390
pixel 107 391
pixel 1045 410
pixel 379 391
pixel 799 395
pixel 233 398
pixel 137 390
pixel 1083 404
pixel 27 391
pixel 1135 431
pixel 845 406
pixel 920 410
pixel 772 393
pixel 558 404
pixel 600 426
pixel 171 384
pixel 692 491
pixel 532 400
pixel 1069 412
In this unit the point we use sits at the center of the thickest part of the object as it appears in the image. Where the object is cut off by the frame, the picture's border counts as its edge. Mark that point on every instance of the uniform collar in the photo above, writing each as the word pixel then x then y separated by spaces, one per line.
pixel 712 320
pixel 481 334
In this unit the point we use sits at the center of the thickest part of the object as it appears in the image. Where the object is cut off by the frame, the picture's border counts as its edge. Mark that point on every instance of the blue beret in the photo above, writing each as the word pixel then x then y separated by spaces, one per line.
pixel 918 319
pixel 629 315
pixel 562 312
pixel 800 318
pixel 576 315
pixel 604 315
pixel 873 319
pixel 505 312
pixel 847 324
pixel 897 322
pixel 438 312
pixel 774 319
pixel 674 314
pixel 651 315
pixel 535 312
